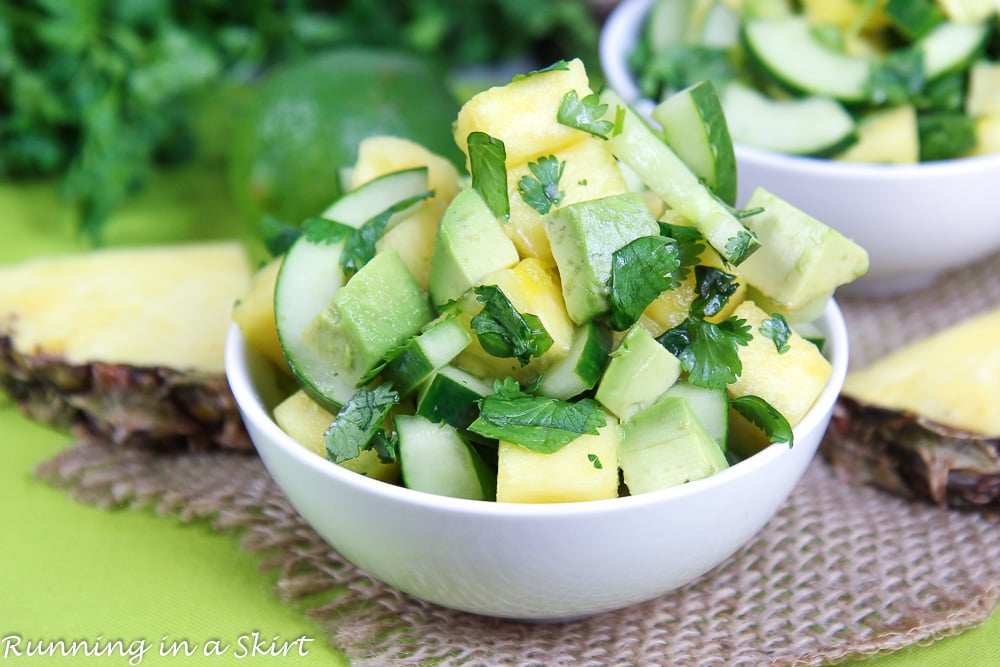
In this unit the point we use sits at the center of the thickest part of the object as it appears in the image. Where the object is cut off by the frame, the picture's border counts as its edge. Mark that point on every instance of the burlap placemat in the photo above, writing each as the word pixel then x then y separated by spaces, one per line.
pixel 840 572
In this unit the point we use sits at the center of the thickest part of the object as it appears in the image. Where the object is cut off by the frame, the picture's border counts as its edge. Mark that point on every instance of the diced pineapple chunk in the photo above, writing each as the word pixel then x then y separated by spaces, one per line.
pixel 413 238
pixel 585 469
pixel 306 422
pixel 383 154
pixel 532 287
pixel 254 314
pixel 888 136
pixel 590 172
pixel 522 113
pixel 987 135
pixel 845 14
pixel 790 381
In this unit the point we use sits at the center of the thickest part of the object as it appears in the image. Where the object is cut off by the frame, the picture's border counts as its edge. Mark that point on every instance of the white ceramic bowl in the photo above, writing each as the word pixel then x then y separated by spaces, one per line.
pixel 915 221
pixel 531 562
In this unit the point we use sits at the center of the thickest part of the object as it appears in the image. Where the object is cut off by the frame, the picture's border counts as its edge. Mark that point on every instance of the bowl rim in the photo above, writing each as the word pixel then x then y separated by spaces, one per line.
pixel 253 409
pixel 620 30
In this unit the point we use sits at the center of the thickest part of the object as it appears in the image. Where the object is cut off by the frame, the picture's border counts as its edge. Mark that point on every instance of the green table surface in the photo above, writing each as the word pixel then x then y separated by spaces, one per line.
pixel 76 572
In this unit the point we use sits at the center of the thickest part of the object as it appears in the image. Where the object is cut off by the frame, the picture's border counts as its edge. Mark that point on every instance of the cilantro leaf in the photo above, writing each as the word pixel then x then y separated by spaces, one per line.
pixel 895 80
pixel 559 65
pixel 766 416
pixel 714 287
pixel 321 230
pixel 277 235
pixel 503 331
pixel 593 458
pixel 538 423
pixel 359 426
pixel 541 190
pixel 712 358
pixel 487 163
pixel 584 114
pixel 640 271
pixel 741 246
pixel 776 328
pixel 690 245
pixel 360 246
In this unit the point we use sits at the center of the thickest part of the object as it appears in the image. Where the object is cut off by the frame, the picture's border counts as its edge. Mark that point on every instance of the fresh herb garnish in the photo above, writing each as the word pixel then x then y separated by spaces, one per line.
pixel 776 328
pixel 766 417
pixel 741 246
pixel 559 65
pixel 896 79
pixel 503 331
pixel 708 351
pixel 321 230
pixel 537 423
pixel 360 246
pixel 277 235
pixel 690 244
pixel 593 458
pixel 358 426
pixel 541 190
pixel 488 165
pixel 584 114
pixel 640 271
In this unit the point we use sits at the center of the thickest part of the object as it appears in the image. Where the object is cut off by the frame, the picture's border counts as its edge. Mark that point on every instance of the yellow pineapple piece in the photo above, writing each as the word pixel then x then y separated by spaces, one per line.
pixel 522 113
pixel 585 469
pixel 126 345
pixel 383 154
pixel 590 172
pixel 254 313
pixel 413 238
pixel 790 381
pixel 952 377
pixel 968 11
pixel 532 287
pixel 306 421
pixel 987 135
pixel 845 14
pixel 888 136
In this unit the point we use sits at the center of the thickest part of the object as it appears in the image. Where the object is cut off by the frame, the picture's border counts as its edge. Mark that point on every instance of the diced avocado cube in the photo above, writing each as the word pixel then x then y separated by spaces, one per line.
pixel 585 469
pixel 800 258
pixel 470 243
pixel 584 236
pixel 379 308
pixel 639 371
pixel 665 445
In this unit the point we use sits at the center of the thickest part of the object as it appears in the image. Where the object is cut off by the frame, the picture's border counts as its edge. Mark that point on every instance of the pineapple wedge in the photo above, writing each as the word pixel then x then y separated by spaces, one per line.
pixel 922 421
pixel 254 314
pixel 126 345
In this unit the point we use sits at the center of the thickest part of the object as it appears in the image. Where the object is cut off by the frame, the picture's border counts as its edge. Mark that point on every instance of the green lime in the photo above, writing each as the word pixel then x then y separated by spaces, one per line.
pixel 307 120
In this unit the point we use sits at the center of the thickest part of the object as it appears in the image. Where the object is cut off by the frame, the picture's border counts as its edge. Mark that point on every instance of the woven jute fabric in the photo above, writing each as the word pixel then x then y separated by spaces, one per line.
pixel 841 571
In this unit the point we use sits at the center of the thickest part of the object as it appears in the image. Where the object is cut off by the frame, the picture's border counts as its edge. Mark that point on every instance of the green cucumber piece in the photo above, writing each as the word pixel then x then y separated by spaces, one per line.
pixel 666 445
pixel 788 50
pixel 376 311
pixel 363 203
pixel 643 151
pixel 434 347
pixel 451 396
pixel 581 368
pixel 694 126
pixel 710 406
pixel 816 126
pixel 952 47
pixel 309 278
pixel 639 372
pixel 435 458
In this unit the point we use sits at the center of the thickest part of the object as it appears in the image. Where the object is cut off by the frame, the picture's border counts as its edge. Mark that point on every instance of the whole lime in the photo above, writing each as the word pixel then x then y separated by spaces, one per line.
pixel 306 121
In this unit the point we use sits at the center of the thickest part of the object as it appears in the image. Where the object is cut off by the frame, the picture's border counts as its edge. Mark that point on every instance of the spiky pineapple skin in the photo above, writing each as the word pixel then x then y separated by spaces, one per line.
pixel 158 407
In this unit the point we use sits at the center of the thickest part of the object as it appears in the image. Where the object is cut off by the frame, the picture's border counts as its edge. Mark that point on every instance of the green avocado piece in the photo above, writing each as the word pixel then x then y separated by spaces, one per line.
pixel 584 236
pixel 379 309
pixel 639 372
pixel 800 259
pixel 470 244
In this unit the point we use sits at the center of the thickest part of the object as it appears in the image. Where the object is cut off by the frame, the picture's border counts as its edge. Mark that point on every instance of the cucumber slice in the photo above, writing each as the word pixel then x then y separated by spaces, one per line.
pixel 434 458
pixel 721 26
pixel 667 22
pixel 425 353
pixel 636 144
pixel 817 126
pixel 450 397
pixel 363 203
pixel 952 47
pixel 788 50
pixel 694 126
pixel 579 370
pixel 309 278
pixel 710 406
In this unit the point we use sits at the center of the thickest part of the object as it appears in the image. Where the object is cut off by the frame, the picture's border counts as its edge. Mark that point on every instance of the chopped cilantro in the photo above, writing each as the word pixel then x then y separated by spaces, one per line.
pixel 690 245
pixel 776 328
pixel 584 114
pixel 538 423
pixel 766 417
pixel 358 426
pixel 898 78
pixel 619 121
pixel 321 230
pixel 559 65
pixel 277 235
pixel 741 246
pixel 640 271
pixel 541 190
pixel 503 331
pixel 714 287
pixel 360 245
pixel 593 458
pixel 487 163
